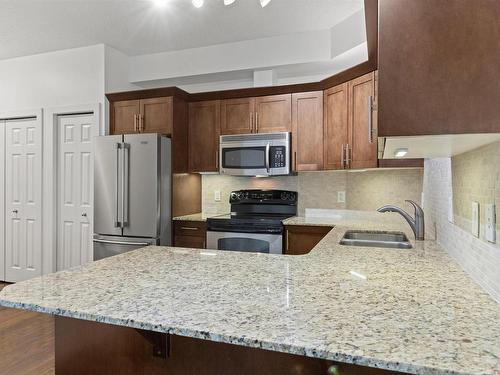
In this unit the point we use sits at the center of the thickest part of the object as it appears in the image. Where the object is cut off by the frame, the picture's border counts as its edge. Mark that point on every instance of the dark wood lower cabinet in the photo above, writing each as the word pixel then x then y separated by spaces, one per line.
pixel 88 348
pixel 190 234
pixel 300 239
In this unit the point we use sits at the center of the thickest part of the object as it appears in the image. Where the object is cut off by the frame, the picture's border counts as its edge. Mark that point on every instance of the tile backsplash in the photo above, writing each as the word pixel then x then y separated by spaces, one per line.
pixel 364 190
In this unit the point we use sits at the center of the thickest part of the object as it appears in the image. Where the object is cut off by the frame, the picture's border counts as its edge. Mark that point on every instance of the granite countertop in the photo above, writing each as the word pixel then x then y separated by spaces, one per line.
pixel 412 311
pixel 200 216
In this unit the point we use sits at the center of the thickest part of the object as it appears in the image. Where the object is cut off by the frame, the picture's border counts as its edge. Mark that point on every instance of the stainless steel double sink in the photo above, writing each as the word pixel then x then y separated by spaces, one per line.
pixel 393 240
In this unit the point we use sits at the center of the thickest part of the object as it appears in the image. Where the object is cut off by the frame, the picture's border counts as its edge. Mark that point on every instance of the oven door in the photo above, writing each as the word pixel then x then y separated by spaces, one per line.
pixel 246 242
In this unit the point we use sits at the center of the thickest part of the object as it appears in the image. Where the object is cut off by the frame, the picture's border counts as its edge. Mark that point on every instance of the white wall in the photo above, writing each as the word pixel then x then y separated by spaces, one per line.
pixel 61 78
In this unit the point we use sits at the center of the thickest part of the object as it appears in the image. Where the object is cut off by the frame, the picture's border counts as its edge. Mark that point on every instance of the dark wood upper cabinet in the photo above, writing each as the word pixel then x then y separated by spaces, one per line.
pixel 156 115
pixel 362 149
pixel 163 115
pixel 237 116
pixel 273 113
pixel 335 109
pixel 307 131
pixel 439 67
pixel 204 129
pixel 124 117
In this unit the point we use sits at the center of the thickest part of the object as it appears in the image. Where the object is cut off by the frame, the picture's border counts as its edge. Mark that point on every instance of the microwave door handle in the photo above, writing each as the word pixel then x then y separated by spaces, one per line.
pixel 268 167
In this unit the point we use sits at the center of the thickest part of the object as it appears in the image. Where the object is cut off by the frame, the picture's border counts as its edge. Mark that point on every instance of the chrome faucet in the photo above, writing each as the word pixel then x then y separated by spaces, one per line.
pixel 417 224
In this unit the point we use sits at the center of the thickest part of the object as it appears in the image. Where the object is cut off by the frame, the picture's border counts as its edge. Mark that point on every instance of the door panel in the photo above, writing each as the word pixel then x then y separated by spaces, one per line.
pixel 142 190
pixel 335 125
pixel 237 116
pixel 2 201
pixel 75 181
pixel 307 130
pixel 361 95
pixel 124 119
pixel 156 115
pixel 107 202
pixel 204 130
pixel 23 193
pixel 273 113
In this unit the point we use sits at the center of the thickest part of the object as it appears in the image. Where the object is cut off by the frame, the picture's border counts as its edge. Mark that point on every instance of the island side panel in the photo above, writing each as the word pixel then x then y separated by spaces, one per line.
pixel 84 347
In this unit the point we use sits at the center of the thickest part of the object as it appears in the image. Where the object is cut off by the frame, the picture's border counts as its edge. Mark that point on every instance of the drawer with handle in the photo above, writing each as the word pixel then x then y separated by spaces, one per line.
pixel 190 228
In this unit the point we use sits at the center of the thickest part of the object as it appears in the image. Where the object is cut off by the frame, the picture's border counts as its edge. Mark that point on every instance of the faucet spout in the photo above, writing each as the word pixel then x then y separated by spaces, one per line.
pixel 417 224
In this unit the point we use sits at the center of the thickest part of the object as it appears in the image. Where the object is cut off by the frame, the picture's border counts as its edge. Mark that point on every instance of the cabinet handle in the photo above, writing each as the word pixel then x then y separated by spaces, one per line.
pixel 342 157
pixel 295 160
pixel 136 126
pixel 256 122
pixel 348 156
pixel 141 123
pixel 189 228
pixel 251 122
pixel 370 119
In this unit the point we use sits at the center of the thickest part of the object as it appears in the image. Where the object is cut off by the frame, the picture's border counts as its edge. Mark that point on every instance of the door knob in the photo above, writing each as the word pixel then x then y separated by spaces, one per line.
pixel 84 214
pixel 15 211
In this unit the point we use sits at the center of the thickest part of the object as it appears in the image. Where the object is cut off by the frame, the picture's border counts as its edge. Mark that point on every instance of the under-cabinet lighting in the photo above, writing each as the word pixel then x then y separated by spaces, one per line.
pixel 400 152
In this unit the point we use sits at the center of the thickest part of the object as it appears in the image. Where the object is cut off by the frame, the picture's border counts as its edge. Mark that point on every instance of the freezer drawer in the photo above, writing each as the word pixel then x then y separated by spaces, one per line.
pixel 107 246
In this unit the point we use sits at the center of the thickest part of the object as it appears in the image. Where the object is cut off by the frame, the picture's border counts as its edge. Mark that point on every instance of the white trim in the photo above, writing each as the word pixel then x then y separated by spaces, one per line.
pixel 49 261
pixel 17 114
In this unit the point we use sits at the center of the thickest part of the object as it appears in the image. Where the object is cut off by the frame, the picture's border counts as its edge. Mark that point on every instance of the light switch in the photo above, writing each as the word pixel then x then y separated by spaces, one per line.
pixel 491 223
pixel 341 197
pixel 475 219
pixel 217 195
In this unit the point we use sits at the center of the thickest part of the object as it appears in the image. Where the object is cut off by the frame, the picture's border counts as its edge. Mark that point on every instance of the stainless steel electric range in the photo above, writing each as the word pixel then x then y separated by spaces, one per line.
pixel 255 222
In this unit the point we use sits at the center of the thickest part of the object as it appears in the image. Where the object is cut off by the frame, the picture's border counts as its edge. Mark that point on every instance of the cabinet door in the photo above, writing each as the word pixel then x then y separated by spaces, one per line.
pixel 156 115
pixel 204 129
pixel 362 123
pixel 273 113
pixel 237 116
pixel 124 117
pixel 307 131
pixel 301 240
pixel 335 126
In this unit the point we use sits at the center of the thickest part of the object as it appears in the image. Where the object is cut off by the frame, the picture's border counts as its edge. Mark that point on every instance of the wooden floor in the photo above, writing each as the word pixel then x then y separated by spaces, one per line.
pixel 26 342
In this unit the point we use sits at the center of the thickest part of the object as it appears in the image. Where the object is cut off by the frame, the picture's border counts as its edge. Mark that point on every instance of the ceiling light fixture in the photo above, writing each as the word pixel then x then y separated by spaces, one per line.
pixel 198 3
pixel 263 3
pixel 228 2
pixel 400 152
pixel 160 3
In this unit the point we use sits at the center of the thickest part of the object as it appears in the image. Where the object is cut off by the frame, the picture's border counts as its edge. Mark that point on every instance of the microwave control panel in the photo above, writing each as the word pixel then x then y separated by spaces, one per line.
pixel 278 156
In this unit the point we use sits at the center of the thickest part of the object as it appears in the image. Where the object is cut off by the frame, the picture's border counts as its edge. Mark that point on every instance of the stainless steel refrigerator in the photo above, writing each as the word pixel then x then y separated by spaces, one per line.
pixel 132 185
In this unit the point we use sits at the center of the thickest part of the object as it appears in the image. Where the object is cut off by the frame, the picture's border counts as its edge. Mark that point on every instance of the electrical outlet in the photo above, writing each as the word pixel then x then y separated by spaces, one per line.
pixel 491 223
pixel 341 197
pixel 475 219
pixel 217 195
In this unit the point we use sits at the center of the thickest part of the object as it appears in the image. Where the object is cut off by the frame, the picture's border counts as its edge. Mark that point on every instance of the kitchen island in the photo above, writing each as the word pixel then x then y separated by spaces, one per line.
pixel 411 311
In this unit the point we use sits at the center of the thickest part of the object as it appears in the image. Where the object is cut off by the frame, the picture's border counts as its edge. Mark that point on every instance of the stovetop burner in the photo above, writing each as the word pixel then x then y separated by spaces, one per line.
pixel 256 211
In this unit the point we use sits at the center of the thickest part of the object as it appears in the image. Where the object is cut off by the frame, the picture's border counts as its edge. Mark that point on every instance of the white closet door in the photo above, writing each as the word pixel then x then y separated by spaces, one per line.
pixel 23 193
pixel 75 190
pixel 2 200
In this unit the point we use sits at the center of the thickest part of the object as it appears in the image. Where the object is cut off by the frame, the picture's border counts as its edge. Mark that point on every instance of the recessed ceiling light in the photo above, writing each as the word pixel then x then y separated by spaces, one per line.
pixel 160 3
pixel 228 2
pixel 263 3
pixel 198 3
pixel 400 152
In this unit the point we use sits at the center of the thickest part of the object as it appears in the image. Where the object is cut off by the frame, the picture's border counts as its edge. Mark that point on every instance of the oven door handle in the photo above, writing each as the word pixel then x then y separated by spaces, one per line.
pixel 268 150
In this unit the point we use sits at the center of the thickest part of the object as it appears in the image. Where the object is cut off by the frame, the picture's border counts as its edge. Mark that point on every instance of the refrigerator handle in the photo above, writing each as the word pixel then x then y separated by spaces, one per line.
pixel 122 242
pixel 118 223
pixel 125 183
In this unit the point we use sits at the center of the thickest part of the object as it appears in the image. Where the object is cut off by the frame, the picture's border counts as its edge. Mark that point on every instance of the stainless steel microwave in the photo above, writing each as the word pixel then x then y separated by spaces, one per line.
pixel 264 154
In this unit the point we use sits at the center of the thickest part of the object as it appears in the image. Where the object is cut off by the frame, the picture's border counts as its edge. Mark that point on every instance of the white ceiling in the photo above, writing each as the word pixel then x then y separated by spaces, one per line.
pixel 137 27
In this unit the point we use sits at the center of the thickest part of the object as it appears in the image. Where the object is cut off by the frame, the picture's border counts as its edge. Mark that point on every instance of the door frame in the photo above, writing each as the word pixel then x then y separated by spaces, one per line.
pixel 4 116
pixel 50 178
